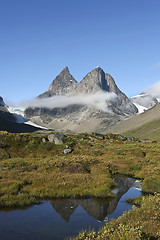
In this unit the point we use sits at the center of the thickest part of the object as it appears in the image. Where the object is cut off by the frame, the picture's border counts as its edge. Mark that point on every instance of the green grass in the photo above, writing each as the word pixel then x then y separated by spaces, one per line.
pixel 149 130
pixel 41 170
pixel 140 223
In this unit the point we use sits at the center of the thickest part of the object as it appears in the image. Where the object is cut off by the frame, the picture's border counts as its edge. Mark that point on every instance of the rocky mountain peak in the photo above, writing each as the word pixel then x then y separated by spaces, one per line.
pixel 79 115
pixel 64 72
pixel 63 80
pixel 92 83
pixel 63 84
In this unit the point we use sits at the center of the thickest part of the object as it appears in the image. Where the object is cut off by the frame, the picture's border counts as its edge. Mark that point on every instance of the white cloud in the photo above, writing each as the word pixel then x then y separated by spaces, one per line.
pixel 98 100
pixel 154 90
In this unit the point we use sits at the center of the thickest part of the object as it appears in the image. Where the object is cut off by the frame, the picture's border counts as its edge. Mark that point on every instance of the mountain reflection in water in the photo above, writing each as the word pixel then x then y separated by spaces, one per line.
pixel 60 219
pixel 98 208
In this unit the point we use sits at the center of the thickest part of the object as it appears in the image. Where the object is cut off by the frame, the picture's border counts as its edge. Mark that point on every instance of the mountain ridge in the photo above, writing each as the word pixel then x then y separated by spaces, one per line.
pixel 76 115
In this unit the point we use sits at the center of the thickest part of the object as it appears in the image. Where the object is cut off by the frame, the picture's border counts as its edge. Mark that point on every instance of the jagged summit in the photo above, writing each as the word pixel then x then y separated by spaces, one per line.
pixel 92 83
pixel 63 84
pixel 99 81
pixel 83 112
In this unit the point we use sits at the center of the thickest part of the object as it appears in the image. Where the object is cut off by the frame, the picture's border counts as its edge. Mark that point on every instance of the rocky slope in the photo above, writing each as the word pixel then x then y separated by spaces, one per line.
pixel 110 105
pixel 150 118
pixel 4 113
pixel 144 100
pixel 8 121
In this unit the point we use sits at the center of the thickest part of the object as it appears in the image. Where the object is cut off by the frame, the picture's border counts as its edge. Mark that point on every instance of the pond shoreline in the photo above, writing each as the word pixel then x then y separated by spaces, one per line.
pixel 80 213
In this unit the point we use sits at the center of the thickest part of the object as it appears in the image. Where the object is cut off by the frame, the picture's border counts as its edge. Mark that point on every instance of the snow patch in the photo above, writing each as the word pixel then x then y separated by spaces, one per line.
pixel 18 112
pixel 140 95
pixel 140 108
pixel 35 125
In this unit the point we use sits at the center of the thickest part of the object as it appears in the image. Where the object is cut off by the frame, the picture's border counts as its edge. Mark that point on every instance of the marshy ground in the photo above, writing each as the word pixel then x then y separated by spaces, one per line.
pixel 32 169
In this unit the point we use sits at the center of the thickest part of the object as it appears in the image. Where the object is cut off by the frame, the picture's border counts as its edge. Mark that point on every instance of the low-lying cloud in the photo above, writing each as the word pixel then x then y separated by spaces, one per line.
pixel 98 100
pixel 154 90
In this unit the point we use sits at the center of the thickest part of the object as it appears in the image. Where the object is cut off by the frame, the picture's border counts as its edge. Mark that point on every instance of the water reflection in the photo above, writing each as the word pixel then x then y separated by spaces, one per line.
pixel 98 208
pixel 65 218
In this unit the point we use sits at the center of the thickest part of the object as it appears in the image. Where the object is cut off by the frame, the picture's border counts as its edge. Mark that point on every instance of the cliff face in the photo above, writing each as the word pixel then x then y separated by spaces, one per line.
pixel 97 81
pixel 1 101
pixel 4 113
pixel 92 83
pixel 123 102
pixel 8 121
pixel 81 116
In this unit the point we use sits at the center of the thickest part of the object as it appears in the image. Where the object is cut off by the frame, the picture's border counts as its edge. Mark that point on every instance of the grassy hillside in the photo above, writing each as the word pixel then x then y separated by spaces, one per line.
pixel 144 125
pixel 149 130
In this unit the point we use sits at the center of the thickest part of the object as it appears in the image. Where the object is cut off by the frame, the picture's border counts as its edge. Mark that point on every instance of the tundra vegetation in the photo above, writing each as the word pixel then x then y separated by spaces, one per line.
pixel 33 169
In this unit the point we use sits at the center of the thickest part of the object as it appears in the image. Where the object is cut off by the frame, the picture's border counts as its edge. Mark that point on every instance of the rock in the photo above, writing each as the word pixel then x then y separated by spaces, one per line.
pixel 122 137
pixel 1 102
pixel 93 82
pixel 98 135
pixel 130 139
pixel 44 140
pixel 67 150
pixel 55 138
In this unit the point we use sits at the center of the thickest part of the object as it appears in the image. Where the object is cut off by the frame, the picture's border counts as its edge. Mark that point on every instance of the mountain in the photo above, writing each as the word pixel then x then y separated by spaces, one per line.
pixel 4 113
pixel 63 84
pixel 97 81
pixel 92 83
pixel 8 121
pixel 94 104
pixel 1 102
pixel 148 98
pixel 144 101
pixel 144 125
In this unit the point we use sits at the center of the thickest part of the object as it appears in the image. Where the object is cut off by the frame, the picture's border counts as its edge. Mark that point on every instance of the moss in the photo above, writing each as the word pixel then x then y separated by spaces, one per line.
pixel 16 200
pixel 151 184
pixel 87 171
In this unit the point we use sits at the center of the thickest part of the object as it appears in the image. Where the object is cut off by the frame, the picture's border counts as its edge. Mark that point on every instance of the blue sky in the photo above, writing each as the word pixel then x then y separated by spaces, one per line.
pixel 38 38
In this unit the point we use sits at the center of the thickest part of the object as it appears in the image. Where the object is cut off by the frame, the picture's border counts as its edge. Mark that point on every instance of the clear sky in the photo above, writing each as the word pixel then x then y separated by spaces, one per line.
pixel 38 38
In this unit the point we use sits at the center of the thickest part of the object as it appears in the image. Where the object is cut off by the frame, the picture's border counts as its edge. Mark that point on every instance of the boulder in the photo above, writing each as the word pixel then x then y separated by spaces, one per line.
pixel 44 140
pixel 55 138
pixel 98 135
pixel 130 139
pixel 122 137
pixel 67 150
